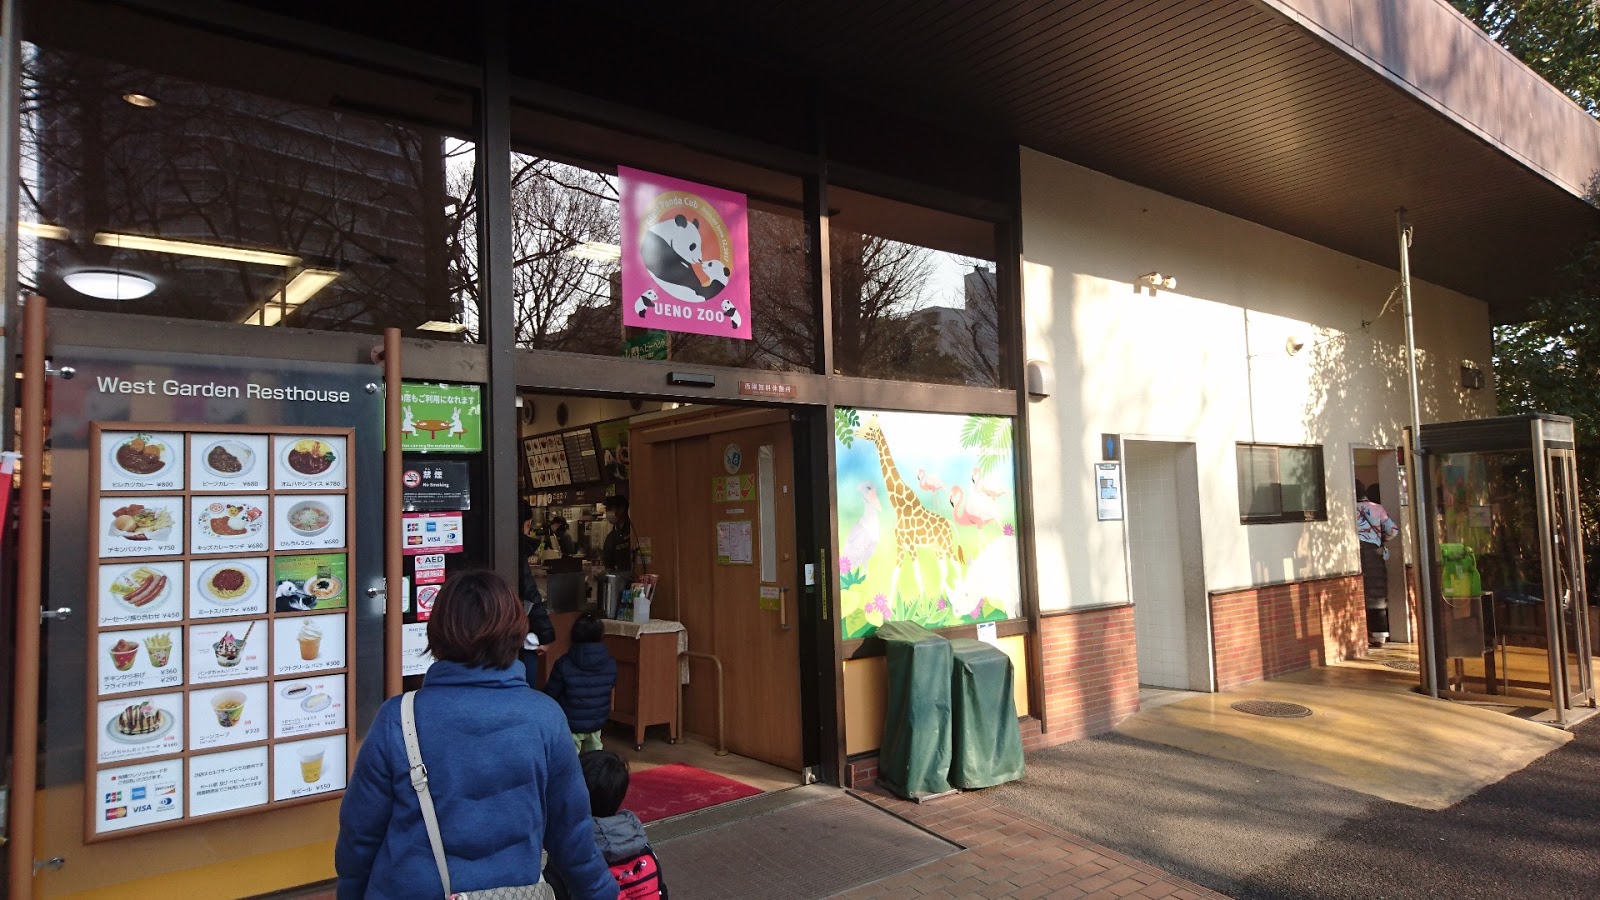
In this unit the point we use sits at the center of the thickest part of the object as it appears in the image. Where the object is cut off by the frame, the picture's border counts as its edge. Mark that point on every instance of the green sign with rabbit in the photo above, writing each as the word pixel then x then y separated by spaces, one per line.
pixel 441 418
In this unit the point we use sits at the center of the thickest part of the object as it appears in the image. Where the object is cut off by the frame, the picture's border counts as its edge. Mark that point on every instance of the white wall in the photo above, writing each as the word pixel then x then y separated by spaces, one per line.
pixel 1207 363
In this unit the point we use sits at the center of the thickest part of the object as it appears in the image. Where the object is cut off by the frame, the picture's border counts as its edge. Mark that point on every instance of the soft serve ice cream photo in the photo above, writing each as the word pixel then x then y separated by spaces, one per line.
pixel 314 643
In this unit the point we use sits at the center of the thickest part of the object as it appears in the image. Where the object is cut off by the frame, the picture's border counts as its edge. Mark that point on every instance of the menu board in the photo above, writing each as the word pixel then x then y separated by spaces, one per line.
pixel 583 463
pixel 220 650
pixel 546 458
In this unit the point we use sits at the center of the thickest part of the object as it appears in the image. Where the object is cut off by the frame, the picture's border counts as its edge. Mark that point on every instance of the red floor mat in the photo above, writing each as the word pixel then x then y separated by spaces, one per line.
pixel 675 789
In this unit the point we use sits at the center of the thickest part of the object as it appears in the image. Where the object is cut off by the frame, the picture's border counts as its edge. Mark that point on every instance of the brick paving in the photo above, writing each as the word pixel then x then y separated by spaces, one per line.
pixel 1014 856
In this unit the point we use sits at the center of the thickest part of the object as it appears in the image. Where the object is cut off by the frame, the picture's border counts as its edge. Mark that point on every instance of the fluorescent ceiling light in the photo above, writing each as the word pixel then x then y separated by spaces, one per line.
pixel 191 248
pixel 444 327
pixel 41 230
pixel 109 285
pixel 596 250
pixel 300 288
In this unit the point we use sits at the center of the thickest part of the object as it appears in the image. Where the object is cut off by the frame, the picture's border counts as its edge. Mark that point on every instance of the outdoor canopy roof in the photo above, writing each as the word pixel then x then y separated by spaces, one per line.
pixel 1314 117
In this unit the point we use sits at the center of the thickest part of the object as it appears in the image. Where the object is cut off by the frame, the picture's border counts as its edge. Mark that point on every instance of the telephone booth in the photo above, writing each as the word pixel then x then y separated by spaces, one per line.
pixel 1505 552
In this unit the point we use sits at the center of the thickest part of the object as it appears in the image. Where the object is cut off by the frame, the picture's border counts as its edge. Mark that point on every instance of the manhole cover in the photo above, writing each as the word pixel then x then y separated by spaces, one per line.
pixel 1273 708
pixel 1404 665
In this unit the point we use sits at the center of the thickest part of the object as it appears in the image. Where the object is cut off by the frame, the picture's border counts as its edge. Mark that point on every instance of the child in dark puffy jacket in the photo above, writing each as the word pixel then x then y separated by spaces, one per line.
pixel 617 831
pixel 581 682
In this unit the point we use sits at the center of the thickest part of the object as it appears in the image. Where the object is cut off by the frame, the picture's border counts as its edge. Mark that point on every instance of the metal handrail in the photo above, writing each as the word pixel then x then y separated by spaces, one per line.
pixel 722 747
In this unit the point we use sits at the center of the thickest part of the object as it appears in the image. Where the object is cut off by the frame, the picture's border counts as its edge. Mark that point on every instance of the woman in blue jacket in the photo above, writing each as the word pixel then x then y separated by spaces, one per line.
pixel 581 681
pixel 501 769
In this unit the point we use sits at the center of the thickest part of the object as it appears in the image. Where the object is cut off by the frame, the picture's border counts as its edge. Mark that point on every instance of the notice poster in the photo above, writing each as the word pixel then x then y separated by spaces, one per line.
pixel 223 717
pixel 219 782
pixel 140 593
pixel 308 705
pixel 315 581
pixel 685 256
pixel 228 651
pixel 135 796
pixel 313 522
pixel 303 768
pixel 436 485
pixel 230 462
pixel 735 543
pixel 441 418
pixel 1108 491
pixel 308 644
pixel 431 533
pixel 141 461
pixel 426 594
pixel 139 726
pixel 414 656
pixel 429 568
pixel 140 527
pixel 228 587
pixel 140 660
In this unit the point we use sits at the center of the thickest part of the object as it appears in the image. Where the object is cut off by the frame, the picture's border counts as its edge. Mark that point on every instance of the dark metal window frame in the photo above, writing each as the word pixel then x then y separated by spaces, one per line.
pixel 1320 514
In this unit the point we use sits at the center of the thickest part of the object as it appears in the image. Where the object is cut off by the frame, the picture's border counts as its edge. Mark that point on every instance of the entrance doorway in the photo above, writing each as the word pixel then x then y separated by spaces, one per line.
pixel 712 498
pixel 1171 618
pixel 1378 470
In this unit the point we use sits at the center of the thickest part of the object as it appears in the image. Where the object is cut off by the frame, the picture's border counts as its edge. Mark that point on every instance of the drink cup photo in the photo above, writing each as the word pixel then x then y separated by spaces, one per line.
pixel 229 707
pixel 311 764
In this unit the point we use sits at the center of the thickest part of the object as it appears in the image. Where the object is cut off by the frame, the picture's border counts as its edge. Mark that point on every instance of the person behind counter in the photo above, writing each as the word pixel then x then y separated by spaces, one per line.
pixel 559 538
pixel 617 552
pixel 500 768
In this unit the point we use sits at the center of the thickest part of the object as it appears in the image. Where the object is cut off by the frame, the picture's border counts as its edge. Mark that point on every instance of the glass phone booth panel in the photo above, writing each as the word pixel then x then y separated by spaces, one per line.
pixel 1505 553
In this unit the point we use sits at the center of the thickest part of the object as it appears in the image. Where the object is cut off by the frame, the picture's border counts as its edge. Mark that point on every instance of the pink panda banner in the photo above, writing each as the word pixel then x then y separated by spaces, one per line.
pixel 685 256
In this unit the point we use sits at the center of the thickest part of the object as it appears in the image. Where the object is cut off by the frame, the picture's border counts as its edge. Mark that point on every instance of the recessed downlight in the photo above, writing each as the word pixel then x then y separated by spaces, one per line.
pixel 108 285
pixel 143 101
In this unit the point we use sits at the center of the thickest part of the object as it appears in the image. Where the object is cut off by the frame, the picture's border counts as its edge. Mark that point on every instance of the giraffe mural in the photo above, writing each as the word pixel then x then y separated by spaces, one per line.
pixel 915 527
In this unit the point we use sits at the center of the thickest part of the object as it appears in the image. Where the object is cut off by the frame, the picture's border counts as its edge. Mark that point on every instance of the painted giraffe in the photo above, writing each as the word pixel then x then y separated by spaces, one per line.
pixel 915 526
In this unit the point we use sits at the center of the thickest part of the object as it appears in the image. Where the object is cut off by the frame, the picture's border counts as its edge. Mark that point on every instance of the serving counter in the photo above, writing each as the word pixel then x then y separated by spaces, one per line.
pixel 650 672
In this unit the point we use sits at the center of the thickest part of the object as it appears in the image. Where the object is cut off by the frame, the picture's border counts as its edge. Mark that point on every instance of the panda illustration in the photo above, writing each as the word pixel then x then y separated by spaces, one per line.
pixel 645 303
pixel 671 250
pixel 732 312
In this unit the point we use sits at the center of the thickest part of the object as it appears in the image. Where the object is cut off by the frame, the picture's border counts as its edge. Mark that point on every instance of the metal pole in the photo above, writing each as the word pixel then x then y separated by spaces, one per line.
pixel 495 267
pixel 1420 507
pixel 393 503
pixel 30 572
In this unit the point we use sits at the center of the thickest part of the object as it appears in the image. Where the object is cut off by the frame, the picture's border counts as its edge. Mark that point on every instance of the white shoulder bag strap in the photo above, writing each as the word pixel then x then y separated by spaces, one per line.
pixel 419 783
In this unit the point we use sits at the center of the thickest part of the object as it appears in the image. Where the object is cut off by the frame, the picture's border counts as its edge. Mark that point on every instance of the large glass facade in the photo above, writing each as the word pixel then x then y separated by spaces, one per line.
pixel 151 194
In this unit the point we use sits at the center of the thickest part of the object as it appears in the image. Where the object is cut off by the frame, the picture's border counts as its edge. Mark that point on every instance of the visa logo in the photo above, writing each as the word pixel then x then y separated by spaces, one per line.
pixel 143 808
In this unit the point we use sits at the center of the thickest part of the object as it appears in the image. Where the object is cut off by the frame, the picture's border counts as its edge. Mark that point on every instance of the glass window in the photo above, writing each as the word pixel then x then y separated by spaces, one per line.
pixel 915 296
pixel 152 194
pixel 1281 484
pixel 567 242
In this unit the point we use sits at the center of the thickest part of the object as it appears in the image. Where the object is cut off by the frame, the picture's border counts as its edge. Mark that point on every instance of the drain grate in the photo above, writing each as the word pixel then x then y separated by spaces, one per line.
pixel 1273 708
pixel 1404 665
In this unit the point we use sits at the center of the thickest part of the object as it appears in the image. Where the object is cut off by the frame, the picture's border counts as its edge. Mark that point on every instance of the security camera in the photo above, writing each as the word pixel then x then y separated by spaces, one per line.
pixel 1294 345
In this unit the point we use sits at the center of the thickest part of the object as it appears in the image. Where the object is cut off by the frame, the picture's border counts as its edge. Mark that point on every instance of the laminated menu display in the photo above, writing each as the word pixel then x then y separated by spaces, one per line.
pixel 215 553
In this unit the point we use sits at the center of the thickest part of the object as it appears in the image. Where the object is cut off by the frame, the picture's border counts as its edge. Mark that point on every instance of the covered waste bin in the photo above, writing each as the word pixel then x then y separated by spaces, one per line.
pixel 914 758
pixel 986 742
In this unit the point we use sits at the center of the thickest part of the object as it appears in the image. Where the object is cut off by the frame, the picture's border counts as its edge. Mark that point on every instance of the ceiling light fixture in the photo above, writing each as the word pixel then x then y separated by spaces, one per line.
pixel 443 327
pixel 143 101
pixel 108 285
pixel 192 248
pixel 300 288
pixel 596 250
pixel 41 230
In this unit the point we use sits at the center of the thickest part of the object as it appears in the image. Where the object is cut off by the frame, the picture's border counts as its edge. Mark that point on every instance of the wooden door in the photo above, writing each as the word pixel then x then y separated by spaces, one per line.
pixel 738 600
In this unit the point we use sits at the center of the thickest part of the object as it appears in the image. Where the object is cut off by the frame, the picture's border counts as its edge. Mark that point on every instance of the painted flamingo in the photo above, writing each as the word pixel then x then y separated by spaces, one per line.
pixel 974 509
pixel 929 481
pixel 987 484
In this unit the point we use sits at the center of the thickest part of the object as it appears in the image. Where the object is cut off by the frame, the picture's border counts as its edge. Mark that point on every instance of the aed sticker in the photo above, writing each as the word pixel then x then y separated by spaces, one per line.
pixel 732 458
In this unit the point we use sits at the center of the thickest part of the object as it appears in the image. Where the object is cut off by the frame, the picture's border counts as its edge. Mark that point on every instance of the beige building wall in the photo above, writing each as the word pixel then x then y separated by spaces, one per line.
pixel 1209 363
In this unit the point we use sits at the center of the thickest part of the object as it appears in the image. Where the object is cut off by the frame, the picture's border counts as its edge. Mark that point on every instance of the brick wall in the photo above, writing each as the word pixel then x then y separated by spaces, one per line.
pixel 1262 632
pixel 1091 673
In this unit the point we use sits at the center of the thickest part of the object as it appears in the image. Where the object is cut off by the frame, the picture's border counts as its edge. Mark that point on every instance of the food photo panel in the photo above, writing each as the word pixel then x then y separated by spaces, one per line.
pixel 308 463
pixel 223 717
pixel 228 587
pixel 228 524
pixel 308 582
pixel 303 768
pixel 228 651
pixel 308 644
pixel 136 796
pixel 140 526
pixel 139 726
pixel 140 660
pixel 307 521
pixel 220 782
pixel 140 593
pixel 141 461
pixel 308 705
pixel 229 462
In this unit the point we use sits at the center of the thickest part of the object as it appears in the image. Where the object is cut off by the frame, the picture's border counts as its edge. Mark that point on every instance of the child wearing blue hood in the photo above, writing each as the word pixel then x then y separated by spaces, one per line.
pixel 581 681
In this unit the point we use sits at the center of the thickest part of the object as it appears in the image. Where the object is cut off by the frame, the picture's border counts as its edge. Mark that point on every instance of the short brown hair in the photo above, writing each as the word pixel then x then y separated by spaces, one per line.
pixel 477 621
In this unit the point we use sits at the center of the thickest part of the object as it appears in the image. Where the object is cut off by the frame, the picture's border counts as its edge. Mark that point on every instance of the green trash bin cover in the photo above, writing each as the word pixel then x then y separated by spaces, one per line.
pixel 987 743
pixel 914 758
